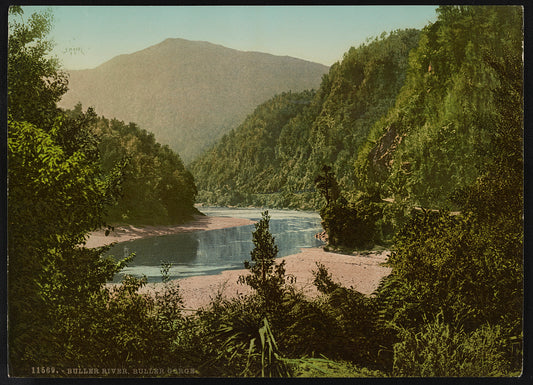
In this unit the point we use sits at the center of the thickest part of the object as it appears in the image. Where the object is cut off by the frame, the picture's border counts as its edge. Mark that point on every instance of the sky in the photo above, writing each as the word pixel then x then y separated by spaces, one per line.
pixel 87 36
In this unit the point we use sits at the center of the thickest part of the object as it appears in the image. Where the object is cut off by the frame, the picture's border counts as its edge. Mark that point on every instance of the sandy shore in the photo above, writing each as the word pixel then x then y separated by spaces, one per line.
pixel 362 271
pixel 127 233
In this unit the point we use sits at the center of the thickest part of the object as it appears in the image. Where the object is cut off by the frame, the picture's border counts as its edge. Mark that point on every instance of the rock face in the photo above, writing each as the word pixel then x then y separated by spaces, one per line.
pixel 380 155
pixel 188 93
pixel 383 153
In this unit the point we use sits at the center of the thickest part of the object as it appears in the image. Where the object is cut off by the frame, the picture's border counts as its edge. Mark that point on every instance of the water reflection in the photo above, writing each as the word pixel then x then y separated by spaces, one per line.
pixel 210 252
pixel 152 251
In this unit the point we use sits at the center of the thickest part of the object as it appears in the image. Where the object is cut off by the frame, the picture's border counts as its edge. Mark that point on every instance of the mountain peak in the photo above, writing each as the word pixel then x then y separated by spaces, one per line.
pixel 188 93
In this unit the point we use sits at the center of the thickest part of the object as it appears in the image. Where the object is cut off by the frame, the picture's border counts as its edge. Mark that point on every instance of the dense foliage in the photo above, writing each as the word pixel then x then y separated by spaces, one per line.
pixel 461 276
pixel 155 187
pixel 59 190
pixel 348 224
pixel 35 84
pixel 438 135
pixel 272 158
pixel 56 193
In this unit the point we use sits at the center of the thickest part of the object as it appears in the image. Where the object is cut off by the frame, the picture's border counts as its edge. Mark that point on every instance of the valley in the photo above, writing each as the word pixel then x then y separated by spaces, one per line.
pixel 364 219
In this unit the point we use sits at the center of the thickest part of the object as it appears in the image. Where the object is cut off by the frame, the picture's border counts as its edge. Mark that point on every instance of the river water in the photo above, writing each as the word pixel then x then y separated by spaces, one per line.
pixel 210 252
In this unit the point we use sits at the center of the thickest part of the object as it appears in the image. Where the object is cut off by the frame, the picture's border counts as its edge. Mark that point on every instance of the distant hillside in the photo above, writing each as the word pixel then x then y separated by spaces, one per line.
pixel 282 146
pixel 188 93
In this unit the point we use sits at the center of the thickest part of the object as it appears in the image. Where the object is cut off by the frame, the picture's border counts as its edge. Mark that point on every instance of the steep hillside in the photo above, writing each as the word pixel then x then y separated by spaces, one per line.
pixel 409 117
pixel 307 130
pixel 441 131
pixel 246 161
pixel 149 182
pixel 188 93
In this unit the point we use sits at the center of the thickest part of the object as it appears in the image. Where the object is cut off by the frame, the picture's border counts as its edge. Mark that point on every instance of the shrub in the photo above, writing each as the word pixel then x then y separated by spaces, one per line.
pixel 439 349
pixel 354 224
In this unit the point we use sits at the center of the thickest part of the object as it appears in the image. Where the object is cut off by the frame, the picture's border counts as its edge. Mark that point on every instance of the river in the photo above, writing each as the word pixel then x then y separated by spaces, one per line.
pixel 210 252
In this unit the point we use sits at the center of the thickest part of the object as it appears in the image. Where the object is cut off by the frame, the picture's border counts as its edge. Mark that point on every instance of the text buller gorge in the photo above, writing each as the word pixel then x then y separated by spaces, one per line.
pixel 129 371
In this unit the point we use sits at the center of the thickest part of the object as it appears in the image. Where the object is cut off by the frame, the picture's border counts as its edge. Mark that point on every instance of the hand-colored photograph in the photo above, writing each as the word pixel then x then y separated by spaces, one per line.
pixel 265 191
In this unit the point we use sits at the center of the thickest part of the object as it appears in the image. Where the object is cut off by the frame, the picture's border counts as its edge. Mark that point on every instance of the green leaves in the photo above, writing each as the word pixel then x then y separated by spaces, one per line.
pixel 244 338
pixel 348 224
pixel 327 185
pixel 266 277
pixel 150 182
pixel 464 269
pixel 440 349
pixel 35 82
pixel 467 266
pixel 437 137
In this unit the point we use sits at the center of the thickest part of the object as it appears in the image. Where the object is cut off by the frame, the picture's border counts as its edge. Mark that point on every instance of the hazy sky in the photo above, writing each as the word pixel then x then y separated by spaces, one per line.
pixel 88 36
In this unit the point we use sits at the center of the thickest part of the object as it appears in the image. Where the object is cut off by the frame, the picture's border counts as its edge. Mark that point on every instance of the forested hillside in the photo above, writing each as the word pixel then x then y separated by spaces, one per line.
pixel 407 116
pixel 188 93
pixel 155 187
pixel 439 134
pixel 274 156
pixel 246 163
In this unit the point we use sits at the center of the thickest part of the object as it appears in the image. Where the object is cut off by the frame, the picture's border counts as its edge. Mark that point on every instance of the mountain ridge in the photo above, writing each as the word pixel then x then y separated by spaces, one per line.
pixel 191 92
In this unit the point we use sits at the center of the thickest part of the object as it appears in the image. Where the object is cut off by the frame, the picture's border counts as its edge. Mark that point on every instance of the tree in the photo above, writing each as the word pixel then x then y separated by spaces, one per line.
pixel 327 185
pixel 348 224
pixel 35 83
pixel 266 277
pixel 56 194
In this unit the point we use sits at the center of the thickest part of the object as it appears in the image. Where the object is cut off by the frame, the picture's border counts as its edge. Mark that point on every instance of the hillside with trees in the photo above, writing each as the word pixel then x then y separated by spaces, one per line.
pixel 155 187
pixel 246 163
pixel 273 157
pixel 444 129
pixel 407 118
pixel 440 132
pixel 188 93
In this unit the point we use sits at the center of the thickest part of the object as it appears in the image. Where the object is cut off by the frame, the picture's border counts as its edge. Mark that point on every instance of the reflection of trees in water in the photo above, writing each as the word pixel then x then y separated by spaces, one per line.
pixel 176 248
pixel 221 247
pixel 231 245
pixel 293 234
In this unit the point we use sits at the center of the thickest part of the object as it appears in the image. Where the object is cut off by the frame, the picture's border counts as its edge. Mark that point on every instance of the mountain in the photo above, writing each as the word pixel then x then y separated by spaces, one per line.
pixel 282 146
pixel 411 117
pixel 188 93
